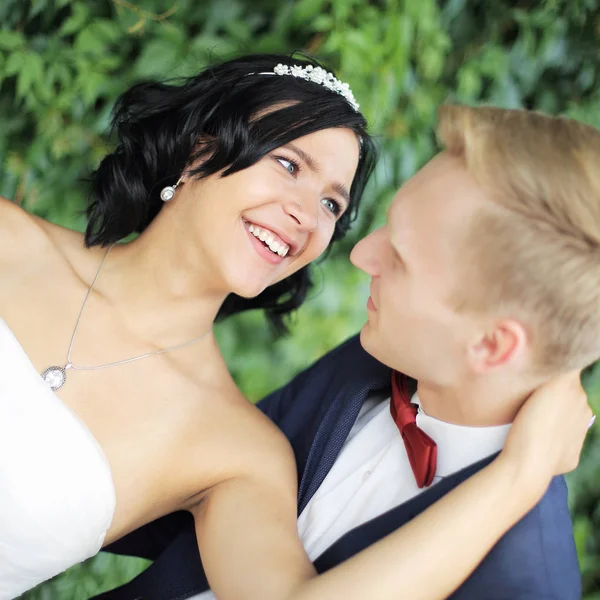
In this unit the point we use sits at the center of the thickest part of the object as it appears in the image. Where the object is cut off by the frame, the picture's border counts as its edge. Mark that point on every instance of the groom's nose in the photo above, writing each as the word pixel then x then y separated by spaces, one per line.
pixel 367 253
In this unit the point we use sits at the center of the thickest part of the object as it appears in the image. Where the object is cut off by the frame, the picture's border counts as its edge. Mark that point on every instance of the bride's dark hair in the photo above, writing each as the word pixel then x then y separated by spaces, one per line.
pixel 228 117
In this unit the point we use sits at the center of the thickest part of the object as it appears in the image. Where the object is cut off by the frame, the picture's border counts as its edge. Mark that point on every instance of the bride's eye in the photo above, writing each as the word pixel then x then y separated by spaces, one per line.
pixel 292 167
pixel 332 206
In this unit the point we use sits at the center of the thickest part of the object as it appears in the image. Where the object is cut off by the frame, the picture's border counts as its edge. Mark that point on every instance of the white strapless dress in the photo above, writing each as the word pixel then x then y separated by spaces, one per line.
pixel 57 496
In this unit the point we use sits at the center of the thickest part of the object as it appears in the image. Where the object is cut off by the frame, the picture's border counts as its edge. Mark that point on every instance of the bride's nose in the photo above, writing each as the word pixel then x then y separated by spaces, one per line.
pixel 303 210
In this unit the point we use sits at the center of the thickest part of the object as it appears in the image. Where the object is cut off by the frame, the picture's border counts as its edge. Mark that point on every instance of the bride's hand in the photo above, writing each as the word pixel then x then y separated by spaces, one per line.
pixel 547 435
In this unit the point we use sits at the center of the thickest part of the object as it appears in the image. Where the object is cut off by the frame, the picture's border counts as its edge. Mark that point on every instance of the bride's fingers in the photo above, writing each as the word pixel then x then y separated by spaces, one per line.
pixel 578 421
pixel 550 429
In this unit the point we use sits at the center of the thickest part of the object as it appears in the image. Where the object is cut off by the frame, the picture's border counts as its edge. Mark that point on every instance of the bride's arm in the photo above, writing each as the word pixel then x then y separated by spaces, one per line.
pixel 250 550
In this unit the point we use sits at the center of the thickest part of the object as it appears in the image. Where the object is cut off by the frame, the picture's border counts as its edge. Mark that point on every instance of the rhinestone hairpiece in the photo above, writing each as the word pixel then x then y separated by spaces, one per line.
pixel 320 76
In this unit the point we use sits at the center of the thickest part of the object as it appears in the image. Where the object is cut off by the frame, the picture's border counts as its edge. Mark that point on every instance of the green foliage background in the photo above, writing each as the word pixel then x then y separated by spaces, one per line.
pixel 62 64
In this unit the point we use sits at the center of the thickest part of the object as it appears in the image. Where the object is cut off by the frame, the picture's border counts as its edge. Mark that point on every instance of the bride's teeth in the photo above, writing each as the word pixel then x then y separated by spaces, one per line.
pixel 277 247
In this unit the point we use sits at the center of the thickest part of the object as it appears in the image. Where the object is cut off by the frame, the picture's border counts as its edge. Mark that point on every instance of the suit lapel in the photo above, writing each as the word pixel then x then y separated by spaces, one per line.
pixel 367 378
pixel 334 429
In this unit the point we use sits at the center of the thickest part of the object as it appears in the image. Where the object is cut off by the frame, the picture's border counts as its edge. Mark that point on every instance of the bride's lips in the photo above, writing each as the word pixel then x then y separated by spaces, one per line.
pixel 370 302
pixel 294 246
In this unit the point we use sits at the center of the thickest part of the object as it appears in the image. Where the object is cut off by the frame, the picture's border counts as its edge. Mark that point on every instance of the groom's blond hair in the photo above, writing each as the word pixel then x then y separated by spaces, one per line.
pixel 536 252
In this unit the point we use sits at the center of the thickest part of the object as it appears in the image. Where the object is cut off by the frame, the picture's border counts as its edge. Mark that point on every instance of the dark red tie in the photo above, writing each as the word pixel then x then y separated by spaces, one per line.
pixel 420 448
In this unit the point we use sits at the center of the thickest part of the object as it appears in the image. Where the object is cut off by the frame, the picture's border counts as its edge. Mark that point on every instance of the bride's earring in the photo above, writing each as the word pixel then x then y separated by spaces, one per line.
pixel 168 192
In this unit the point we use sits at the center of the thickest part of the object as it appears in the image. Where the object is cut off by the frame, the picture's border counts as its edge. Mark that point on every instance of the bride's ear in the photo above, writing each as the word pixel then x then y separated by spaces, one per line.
pixel 203 151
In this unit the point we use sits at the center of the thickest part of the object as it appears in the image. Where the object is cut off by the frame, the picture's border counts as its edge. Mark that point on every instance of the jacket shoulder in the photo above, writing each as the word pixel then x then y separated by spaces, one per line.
pixel 536 559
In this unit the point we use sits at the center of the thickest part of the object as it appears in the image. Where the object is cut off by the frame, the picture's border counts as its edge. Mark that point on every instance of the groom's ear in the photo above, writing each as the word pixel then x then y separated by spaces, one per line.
pixel 506 342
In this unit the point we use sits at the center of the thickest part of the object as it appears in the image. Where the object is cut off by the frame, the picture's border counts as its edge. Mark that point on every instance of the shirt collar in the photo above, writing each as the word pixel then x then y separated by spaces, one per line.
pixel 458 445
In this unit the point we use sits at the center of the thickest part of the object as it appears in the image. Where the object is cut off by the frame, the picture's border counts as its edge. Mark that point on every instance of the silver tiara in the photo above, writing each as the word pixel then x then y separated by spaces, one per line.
pixel 320 76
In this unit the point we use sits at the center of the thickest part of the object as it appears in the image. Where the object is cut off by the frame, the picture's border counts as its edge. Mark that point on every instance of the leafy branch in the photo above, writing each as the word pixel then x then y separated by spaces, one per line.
pixel 144 15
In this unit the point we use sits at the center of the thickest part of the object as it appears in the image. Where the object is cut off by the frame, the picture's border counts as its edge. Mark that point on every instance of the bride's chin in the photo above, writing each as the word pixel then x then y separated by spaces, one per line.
pixel 248 290
pixel 249 282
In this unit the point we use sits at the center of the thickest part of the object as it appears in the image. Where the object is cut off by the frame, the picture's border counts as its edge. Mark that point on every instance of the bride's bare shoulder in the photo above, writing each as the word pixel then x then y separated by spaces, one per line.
pixel 23 233
pixel 17 226
pixel 19 231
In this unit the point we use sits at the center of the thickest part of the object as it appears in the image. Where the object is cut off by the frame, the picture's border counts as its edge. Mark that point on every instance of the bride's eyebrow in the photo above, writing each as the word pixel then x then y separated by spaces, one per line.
pixel 314 166
pixel 342 191
pixel 311 163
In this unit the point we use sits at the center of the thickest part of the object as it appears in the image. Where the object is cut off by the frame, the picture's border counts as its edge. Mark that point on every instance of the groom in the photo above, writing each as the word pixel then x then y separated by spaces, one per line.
pixel 483 286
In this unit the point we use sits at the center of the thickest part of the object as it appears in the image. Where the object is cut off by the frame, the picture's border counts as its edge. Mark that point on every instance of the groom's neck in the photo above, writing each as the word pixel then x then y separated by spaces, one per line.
pixel 481 402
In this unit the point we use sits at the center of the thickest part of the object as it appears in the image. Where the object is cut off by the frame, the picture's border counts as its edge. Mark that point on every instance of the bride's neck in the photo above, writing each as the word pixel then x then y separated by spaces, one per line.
pixel 164 281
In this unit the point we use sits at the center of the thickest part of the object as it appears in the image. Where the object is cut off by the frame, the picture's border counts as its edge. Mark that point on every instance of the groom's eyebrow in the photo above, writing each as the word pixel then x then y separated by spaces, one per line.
pixel 314 166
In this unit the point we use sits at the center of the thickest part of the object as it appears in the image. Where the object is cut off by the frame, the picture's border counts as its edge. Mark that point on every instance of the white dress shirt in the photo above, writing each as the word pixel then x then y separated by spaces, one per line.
pixel 372 474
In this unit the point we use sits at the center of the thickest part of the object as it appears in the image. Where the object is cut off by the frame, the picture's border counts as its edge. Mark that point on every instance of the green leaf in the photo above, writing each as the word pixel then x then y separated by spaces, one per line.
pixel 14 63
pixel 469 84
pixel 157 59
pixel 95 38
pixel 322 23
pixel 32 70
pixel 79 16
pixel 306 10
pixel 109 30
pixel 11 40
pixel 91 85
pixel 37 6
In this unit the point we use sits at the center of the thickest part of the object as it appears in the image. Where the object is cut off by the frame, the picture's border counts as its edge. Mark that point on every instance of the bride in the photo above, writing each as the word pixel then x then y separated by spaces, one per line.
pixel 116 406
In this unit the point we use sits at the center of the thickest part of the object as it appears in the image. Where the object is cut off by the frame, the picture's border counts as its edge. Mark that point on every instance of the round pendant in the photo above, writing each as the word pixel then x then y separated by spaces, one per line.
pixel 55 377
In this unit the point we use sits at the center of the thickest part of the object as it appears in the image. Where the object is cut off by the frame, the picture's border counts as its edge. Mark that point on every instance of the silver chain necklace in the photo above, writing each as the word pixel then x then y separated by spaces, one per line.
pixel 56 377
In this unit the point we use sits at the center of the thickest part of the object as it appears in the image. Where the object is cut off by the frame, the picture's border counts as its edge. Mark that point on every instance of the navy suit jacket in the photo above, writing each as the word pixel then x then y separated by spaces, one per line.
pixel 535 560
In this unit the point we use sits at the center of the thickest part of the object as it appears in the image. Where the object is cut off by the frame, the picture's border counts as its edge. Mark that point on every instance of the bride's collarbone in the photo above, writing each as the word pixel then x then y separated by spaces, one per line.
pixel 152 394
pixel 148 403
